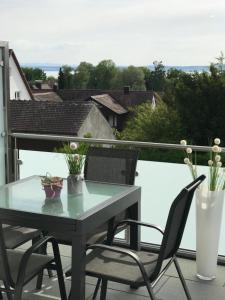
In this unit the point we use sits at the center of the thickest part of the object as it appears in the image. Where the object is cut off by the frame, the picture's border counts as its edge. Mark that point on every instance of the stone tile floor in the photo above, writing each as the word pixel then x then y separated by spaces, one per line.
pixel 169 288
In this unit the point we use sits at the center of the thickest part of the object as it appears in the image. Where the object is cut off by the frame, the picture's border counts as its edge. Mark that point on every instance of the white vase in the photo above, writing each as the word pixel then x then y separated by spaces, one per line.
pixel 209 209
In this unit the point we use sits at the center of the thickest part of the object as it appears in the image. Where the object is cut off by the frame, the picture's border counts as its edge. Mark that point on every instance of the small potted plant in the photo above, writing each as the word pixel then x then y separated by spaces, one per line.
pixel 52 186
pixel 75 158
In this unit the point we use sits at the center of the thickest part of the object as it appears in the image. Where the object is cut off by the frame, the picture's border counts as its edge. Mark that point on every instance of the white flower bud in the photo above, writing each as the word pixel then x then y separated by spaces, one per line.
pixel 210 162
pixel 219 164
pixel 220 149
pixel 217 157
pixel 73 146
pixel 217 141
pixel 215 149
pixel 76 156
pixel 189 150
pixel 187 161
pixel 183 142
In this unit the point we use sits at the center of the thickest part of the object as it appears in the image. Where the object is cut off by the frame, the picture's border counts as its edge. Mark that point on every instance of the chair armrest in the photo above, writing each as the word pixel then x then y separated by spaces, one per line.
pixel 30 251
pixel 131 254
pixel 134 222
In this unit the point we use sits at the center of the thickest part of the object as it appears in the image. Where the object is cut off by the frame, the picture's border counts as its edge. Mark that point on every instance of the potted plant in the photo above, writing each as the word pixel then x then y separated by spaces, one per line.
pixel 52 186
pixel 75 157
pixel 209 207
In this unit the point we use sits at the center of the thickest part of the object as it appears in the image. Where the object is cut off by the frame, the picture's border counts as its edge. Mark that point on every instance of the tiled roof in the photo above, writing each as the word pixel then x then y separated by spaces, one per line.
pixel 110 103
pixel 47 96
pixel 48 117
pixel 125 100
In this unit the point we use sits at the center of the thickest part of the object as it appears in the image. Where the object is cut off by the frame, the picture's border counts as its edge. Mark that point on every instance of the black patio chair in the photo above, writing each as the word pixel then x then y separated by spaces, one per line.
pixel 143 268
pixel 16 236
pixel 112 165
pixel 17 267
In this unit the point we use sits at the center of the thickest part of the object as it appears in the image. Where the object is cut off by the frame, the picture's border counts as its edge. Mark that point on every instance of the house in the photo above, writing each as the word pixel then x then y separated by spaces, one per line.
pixel 19 87
pixel 57 118
pixel 114 104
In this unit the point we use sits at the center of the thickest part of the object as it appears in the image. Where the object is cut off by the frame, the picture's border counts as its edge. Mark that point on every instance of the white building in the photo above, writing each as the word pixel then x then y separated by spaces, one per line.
pixel 19 87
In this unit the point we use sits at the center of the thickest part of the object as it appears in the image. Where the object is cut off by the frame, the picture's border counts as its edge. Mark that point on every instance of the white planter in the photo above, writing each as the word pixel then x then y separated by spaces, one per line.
pixel 209 207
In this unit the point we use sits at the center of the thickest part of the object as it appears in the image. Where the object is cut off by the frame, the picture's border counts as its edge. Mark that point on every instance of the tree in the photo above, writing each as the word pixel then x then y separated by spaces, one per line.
pixel 161 124
pixel 61 80
pixel 82 75
pixel 200 102
pixel 131 76
pixel 134 77
pixel 156 79
pixel 103 74
pixel 220 62
pixel 33 74
pixel 65 78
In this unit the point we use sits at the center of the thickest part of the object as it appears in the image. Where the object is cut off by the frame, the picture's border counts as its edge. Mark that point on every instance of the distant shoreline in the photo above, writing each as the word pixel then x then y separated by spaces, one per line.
pixel 55 68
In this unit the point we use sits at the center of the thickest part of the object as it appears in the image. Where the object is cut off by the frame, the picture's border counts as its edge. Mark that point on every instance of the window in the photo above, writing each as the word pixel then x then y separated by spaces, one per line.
pixel 17 95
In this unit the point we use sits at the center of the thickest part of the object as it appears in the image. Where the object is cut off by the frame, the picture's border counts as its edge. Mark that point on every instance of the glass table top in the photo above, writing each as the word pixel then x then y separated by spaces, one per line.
pixel 28 195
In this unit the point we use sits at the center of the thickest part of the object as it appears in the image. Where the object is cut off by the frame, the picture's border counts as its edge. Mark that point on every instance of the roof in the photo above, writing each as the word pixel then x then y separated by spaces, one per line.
pixel 126 100
pixel 110 103
pixel 47 96
pixel 11 53
pixel 48 117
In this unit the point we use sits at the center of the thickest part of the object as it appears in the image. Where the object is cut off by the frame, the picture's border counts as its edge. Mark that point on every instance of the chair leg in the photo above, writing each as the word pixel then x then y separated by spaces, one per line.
pixel 150 291
pixel 8 291
pixel 103 289
pixel 50 273
pixel 39 280
pixel 62 287
pixel 59 271
pixel 96 288
pixel 182 279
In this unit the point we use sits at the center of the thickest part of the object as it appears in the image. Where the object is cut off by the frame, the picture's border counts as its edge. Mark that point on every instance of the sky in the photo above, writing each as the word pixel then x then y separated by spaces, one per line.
pixel 130 32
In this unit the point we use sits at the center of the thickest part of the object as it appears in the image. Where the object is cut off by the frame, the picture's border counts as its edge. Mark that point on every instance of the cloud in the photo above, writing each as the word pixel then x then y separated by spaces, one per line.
pixel 128 31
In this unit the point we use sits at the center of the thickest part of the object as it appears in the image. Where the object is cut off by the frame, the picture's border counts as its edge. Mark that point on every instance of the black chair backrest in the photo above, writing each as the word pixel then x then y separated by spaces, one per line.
pixel 4 265
pixel 176 222
pixel 112 165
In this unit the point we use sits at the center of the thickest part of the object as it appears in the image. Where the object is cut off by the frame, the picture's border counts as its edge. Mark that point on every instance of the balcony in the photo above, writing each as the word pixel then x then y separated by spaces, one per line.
pixel 160 182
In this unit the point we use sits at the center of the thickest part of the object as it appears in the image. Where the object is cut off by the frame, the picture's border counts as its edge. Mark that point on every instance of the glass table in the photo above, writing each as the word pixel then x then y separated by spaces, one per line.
pixel 76 216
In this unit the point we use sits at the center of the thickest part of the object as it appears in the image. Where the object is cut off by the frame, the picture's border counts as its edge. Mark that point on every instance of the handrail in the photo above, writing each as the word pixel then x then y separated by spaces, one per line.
pixel 65 138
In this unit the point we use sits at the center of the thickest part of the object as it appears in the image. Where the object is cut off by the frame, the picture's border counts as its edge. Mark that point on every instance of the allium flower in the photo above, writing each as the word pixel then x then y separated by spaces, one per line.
pixel 76 156
pixel 210 162
pixel 187 161
pixel 219 164
pixel 73 146
pixel 217 141
pixel 183 142
pixel 217 158
pixel 189 150
pixel 215 149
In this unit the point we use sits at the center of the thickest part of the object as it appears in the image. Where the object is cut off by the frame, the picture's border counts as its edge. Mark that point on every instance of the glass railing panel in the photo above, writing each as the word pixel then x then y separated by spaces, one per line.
pixel 2 126
pixel 160 182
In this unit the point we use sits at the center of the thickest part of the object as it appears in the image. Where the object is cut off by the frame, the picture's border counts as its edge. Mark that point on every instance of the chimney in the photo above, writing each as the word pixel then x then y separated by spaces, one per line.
pixel 38 84
pixel 126 90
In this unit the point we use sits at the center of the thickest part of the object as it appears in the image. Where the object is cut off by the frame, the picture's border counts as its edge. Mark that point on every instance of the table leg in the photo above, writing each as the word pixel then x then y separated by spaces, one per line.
pixel 78 268
pixel 135 214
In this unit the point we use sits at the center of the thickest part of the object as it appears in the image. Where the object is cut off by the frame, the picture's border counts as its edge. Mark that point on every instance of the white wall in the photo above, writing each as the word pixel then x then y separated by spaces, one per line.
pixel 16 82
pixel 97 125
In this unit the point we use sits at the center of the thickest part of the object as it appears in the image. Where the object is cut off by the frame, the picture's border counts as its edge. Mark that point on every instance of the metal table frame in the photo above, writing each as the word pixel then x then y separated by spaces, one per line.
pixel 79 228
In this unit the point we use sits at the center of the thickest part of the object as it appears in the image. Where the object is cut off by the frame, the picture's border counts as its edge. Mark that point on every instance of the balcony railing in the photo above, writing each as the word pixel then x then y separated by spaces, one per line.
pixel 160 181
